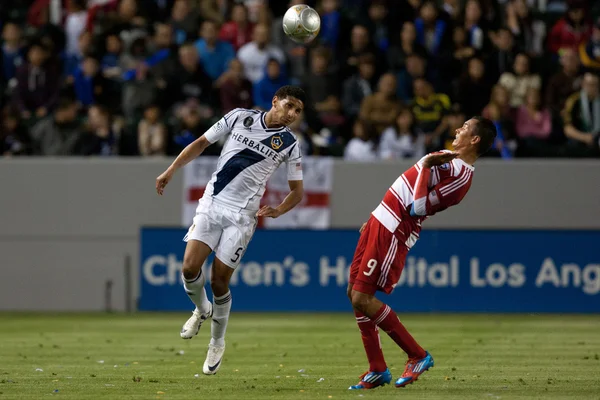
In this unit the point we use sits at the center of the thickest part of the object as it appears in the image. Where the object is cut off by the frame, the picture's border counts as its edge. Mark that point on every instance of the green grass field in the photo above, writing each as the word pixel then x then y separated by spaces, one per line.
pixel 294 356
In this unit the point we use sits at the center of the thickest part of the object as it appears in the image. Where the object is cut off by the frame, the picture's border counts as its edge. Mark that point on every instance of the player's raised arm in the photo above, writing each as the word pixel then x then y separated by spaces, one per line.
pixel 194 149
pixel 427 201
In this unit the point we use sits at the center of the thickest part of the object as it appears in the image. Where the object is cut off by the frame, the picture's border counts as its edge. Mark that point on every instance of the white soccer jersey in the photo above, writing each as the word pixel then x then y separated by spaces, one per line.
pixel 250 156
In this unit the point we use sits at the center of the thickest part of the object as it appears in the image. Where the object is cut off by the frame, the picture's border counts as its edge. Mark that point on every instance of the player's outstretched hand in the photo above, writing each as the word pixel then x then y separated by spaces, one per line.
pixel 268 211
pixel 162 181
pixel 441 158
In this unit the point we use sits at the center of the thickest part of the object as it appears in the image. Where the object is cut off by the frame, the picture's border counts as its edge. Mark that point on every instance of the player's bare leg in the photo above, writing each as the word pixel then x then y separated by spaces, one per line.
pixel 194 280
pixel 219 282
pixel 382 315
pixel 378 373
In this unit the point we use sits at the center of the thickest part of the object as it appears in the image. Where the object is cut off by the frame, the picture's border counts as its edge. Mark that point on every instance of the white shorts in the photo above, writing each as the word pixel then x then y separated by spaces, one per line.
pixel 226 230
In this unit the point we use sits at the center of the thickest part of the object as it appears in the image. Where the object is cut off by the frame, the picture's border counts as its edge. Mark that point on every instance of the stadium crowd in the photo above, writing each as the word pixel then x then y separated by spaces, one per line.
pixel 385 79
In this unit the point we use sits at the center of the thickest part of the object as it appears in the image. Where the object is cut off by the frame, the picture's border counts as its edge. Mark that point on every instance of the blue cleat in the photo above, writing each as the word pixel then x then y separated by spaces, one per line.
pixel 414 368
pixel 371 380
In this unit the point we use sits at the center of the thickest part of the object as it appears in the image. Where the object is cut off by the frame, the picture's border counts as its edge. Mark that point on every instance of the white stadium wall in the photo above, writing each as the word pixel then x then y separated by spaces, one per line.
pixel 67 225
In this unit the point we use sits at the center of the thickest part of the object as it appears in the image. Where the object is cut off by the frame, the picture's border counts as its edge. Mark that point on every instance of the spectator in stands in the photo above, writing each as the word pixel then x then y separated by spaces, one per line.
pixel 589 51
pixel 563 83
pixel 455 119
pixel 152 133
pixel 183 21
pixel 14 137
pixel 502 57
pixel 361 147
pixel 533 124
pixel 381 108
pixel 473 24
pixel 397 54
pixel 75 25
pixel 401 140
pixel 239 30
pixel 571 30
pixel 102 133
pixel 430 109
pixel 473 89
pixel 520 80
pixel 415 69
pixel 264 90
pixel 215 54
pixel 235 89
pixel 58 134
pixel 211 9
pixel 450 11
pixel 360 43
pixel 331 20
pixel 432 30
pixel 90 85
pixel 500 100
pixel 322 90
pixel 254 55
pixel 190 81
pixel 138 94
pixel 37 84
pixel 581 116
pixel 72 62
pixel 111 63
pixel 528 31
pixel 189 128
pixel 358 86
pixel 163 52
pixel 378 24
pixel 454 58
pixel 12 51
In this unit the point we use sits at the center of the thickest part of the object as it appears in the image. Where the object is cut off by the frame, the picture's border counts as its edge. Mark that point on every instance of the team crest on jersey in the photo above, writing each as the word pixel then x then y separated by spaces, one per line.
pixel 248 121
pixel 276 142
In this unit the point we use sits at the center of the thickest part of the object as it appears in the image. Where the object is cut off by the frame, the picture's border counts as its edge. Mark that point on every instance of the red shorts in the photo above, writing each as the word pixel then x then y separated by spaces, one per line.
pixel 378 260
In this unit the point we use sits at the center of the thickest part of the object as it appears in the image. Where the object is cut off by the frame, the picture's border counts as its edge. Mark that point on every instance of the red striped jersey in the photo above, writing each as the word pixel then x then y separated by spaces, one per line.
pixel 448 184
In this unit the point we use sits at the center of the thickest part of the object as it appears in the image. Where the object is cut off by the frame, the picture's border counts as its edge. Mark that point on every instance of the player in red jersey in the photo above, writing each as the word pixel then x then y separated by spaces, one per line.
pixel 438 181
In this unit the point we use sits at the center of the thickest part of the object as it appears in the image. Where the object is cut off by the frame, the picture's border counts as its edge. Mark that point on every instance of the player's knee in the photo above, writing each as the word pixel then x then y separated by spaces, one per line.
pixel 191 267
pixel 360 301
pixel 219 285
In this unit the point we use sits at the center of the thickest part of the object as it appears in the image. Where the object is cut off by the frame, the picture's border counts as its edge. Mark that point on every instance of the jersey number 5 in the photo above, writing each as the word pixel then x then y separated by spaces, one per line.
pixel 371 264
pixel 237 254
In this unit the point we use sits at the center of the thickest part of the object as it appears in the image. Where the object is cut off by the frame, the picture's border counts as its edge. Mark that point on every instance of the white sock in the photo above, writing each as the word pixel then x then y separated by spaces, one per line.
pixel 196 292
pixel 221 309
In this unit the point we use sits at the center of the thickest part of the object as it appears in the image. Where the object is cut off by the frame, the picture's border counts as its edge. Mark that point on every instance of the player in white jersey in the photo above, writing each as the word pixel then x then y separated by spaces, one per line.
pixel 257 144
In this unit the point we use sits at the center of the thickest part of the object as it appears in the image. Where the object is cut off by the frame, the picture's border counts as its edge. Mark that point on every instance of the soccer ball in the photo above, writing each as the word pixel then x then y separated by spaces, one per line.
pixel 301 23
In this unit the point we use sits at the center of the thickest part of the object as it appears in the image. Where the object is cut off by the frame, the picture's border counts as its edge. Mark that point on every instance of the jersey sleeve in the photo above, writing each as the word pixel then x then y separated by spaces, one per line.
pixel 223 126
pixel 294 163
pixel 449 192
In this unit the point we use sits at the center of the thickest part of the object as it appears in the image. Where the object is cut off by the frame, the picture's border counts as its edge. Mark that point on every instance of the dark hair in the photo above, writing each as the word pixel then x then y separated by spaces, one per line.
pixel 291 91
pixel 486 130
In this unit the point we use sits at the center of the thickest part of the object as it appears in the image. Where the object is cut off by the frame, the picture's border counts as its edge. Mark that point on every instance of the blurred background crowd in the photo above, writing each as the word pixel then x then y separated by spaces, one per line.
pixel 385 79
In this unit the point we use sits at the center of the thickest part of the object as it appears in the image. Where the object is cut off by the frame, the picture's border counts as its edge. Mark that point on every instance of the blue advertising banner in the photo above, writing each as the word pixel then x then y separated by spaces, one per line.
pixel 447 270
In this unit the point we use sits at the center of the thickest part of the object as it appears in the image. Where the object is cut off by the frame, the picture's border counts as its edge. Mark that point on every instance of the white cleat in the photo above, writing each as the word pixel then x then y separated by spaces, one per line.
pixel 192 325
pixel 213 359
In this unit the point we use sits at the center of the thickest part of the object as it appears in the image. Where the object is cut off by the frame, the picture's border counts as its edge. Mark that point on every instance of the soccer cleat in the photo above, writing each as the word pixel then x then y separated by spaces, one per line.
pixel 371 380
pixel 414 368
pixel 214 356
pixel 192 325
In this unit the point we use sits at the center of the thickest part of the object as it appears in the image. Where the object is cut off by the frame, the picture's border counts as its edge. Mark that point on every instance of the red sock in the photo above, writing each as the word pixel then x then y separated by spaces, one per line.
pixel 371 342
pixel 387 320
